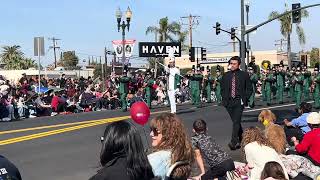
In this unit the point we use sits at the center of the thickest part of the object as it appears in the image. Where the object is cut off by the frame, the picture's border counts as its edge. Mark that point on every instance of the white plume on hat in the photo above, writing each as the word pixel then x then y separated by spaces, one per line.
pixel 313 118
pixel 171 54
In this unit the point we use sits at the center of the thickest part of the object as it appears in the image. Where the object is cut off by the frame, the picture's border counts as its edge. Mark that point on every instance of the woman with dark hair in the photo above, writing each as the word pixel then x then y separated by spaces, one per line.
pixel 273 170
pixel 122 154
pixel 170 144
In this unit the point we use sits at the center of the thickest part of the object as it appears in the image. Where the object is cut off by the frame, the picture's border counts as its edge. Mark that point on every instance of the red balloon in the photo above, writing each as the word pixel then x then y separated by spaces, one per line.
pixel 140 112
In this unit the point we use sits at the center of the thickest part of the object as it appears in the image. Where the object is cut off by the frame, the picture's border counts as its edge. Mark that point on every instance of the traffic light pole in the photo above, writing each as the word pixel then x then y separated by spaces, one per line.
pixel 227 32
pixel 279 16
pixel 244 32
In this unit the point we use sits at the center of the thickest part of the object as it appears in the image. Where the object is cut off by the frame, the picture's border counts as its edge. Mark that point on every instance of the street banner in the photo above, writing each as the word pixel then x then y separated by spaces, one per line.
pixel 159 49
pixel 128 46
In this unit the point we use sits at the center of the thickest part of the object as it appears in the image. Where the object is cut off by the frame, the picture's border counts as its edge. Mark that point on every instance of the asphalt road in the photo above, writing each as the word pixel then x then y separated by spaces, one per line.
pixel 67 147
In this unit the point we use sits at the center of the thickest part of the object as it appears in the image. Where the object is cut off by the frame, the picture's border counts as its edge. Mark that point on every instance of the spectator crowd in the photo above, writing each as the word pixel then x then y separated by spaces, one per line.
pixel 66 95
pixel 282 149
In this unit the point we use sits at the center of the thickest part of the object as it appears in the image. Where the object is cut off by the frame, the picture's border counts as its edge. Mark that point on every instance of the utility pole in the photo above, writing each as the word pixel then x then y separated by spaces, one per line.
pixel 234 45
pixel 281 44
pixel 105 61
pixel 54 43
pixel 192 21
pixel 155 58
pixel 248 38
pixel 243 43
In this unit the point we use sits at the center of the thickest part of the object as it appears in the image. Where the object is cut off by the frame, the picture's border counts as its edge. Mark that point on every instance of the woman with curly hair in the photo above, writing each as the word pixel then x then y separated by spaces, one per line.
pixel 257 151
pixel 170 144
pixel 294 164
pixel 273 132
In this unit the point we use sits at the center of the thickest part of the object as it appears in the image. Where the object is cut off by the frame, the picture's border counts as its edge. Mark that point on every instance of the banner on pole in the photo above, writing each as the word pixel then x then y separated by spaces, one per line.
pixel 128 47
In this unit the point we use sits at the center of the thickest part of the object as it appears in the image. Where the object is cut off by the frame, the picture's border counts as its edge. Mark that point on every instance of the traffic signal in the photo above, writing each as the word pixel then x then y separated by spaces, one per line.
pixel 203 54
pixel 233 33
pixel 296 15
pixel 192 54
pixel 218 28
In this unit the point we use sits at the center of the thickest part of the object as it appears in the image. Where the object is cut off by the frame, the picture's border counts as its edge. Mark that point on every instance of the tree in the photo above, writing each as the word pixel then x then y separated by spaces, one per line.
pixel 70 60
pixel 98 73
pixel 166 31
pixel 29 63
pixel 286 28
pixel 182 37
pixel 12 56
pixel 314 57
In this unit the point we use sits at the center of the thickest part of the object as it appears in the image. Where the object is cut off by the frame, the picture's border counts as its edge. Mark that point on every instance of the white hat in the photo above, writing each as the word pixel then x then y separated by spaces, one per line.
pixel 171 54
pixel 171 59
pixel 313 118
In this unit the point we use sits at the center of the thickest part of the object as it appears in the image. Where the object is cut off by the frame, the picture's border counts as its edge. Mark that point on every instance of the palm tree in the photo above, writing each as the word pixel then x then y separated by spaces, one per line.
pixel 28 63
pixel 286 29
pixel 12 57
pixel 166 31
pixel 182 37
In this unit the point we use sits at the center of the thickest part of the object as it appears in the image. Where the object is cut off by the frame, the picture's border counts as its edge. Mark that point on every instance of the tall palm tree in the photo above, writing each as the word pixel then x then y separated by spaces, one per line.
pixel 166 31
pixel 286 28
pixel 12 57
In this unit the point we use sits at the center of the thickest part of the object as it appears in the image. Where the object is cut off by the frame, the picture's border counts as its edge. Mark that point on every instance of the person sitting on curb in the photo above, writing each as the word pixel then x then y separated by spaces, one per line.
pixel 311 140
pixel 298 127
pixel 204 146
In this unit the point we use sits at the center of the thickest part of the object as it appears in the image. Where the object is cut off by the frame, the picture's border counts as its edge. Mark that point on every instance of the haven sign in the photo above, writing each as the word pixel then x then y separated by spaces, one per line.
pixel 159 49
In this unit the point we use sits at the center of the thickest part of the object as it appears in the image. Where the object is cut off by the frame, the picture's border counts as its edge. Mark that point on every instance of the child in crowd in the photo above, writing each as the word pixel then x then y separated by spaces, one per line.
pixel 219 161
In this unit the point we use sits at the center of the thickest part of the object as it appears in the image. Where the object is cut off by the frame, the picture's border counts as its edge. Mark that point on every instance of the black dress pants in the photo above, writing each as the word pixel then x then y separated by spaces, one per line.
pixel 235 110
pixel 219 171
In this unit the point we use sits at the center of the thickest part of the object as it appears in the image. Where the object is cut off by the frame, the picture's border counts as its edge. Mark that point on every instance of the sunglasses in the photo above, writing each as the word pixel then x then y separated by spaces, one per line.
pixel 155 131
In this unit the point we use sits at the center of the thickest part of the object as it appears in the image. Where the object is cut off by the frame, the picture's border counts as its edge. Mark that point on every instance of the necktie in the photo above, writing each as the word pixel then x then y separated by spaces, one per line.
pixel 233 86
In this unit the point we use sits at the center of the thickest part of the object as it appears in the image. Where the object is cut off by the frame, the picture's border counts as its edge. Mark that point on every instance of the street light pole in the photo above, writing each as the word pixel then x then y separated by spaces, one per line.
pixel 242 43
pixel 123 44
pixel 123 27
pixel 248 38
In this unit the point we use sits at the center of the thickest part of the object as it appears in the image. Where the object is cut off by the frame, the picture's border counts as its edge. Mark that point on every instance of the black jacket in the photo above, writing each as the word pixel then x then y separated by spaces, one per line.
pixel 242 81
pixel 8 170
pixel 115 169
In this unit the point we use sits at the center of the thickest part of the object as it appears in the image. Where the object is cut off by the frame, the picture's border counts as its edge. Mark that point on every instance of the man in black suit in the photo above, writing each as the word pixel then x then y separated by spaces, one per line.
pixel 235 90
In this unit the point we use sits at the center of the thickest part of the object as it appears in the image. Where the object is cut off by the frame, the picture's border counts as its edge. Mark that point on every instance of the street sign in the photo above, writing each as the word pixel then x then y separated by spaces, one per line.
pixel 159 49
pixel 38 43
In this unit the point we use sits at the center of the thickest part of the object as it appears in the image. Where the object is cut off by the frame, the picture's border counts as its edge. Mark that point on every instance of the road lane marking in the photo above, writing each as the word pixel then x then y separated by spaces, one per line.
pixel 62 125
pixel 48 127
pixel 59 131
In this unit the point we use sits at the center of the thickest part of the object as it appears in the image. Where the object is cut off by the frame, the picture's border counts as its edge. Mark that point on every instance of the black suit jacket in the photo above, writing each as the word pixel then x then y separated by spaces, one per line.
pixel 242 80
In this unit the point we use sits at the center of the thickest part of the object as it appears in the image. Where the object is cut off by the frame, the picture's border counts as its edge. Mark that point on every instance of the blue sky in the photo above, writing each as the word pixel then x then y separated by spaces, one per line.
pixel 86 26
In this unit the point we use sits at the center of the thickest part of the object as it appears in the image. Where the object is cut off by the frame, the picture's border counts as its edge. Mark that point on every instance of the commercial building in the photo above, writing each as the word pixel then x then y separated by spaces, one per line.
pixel 222 59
